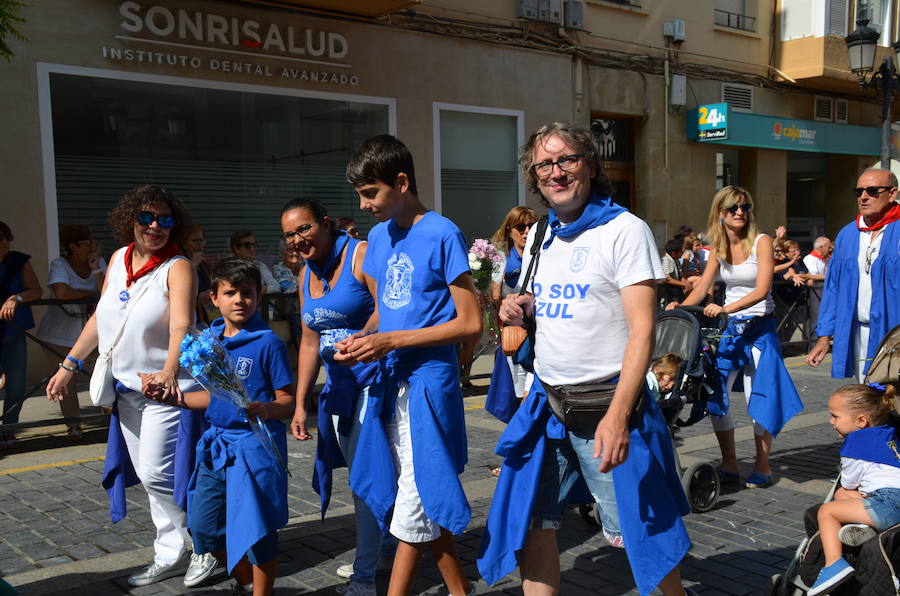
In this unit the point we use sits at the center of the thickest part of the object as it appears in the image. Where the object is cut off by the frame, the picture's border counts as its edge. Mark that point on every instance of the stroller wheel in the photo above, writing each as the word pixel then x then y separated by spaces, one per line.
pixel 701 486
pixel 774 586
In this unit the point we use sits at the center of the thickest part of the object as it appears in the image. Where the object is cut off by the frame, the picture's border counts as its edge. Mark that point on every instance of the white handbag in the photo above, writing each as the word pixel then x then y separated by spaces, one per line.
pixel 102 387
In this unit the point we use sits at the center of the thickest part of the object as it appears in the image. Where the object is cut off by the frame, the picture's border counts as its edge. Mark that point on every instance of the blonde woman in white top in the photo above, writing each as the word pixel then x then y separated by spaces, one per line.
pixel 744 259
pixel 151 221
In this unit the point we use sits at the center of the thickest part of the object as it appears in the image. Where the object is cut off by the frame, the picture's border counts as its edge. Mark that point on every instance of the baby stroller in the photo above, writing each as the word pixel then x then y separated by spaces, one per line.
pixel 877 561
pixel 685 331
pixel 694 338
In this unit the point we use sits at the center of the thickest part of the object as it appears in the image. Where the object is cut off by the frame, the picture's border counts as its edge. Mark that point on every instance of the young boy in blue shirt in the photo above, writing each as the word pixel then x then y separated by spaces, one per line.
pixel 238 494
pixel 425 305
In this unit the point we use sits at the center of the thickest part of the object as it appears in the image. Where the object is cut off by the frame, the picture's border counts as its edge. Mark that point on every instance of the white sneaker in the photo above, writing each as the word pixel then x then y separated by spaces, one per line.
pixel 345 571
pixel 356 589
pixel 201 569
pixel 856 534
pixel 154 572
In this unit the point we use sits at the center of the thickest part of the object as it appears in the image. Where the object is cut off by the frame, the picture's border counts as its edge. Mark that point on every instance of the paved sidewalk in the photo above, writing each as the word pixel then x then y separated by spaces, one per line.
pixel 56 537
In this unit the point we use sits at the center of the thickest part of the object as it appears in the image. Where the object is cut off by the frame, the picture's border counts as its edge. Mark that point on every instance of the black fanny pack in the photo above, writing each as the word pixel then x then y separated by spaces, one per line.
pixel 581 407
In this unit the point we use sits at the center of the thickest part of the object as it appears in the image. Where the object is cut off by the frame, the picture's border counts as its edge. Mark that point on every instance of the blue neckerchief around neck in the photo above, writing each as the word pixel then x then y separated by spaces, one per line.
pixel 598 211
pixel 322 271
pixel 513 267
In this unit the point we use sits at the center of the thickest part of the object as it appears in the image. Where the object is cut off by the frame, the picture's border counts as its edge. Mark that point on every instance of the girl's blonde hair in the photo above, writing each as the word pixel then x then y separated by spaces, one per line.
pixel 877 402
pixel 516 215
pixel 725 198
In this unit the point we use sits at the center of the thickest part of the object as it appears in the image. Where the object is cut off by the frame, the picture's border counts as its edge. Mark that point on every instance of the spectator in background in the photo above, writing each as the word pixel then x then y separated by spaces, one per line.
pixel 243 245
pixel 692 266
pixel 817 261
pixel 194 243
pixel 18 286
pixel 79 274
pixel 348 225
pixel 286 271
pixel 672 265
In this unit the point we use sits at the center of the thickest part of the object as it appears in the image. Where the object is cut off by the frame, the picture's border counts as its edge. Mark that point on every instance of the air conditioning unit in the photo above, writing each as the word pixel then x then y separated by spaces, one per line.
pixel 527 9
pixel 574 14
pixel 549 11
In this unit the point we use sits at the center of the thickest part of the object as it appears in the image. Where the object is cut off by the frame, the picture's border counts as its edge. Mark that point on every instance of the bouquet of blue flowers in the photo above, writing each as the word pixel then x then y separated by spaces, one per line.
pixel 207 360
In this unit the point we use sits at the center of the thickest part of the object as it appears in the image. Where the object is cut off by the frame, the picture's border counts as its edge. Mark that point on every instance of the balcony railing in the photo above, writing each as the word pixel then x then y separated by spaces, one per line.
pixel 735 20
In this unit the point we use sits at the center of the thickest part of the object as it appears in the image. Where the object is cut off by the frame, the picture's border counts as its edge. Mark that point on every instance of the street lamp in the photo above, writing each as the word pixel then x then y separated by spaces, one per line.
pixel 861 46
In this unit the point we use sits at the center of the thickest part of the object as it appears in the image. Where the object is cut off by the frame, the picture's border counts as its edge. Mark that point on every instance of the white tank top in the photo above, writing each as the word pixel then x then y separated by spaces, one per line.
pixel 740 280
pixel 144 344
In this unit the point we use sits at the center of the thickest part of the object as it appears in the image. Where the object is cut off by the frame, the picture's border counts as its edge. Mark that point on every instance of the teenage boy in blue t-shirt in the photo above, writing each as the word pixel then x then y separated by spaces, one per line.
pixel 238 494
pixel 425 305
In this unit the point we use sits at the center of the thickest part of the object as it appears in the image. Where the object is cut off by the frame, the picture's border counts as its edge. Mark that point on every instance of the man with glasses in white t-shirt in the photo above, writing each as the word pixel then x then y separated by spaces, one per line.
pixel 862 272
pixel 593 301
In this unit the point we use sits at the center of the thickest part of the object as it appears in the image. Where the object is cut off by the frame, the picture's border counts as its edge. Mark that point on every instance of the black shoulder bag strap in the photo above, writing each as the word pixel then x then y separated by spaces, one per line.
pixel 531 272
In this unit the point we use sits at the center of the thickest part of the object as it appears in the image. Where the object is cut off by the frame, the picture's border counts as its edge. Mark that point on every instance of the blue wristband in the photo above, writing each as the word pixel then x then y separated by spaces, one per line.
pixel 78 363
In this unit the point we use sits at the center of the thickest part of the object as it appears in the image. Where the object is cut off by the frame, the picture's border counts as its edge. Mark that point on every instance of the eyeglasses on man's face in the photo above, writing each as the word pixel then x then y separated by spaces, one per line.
pixel 872 191
pixel 302 231
pixel 247 244
pixel 146 218
pixel 743 208
pixel 566 163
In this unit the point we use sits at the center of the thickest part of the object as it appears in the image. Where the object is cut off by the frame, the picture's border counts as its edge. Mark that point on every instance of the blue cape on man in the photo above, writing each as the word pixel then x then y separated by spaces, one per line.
pixel 837 311
pixel 654 533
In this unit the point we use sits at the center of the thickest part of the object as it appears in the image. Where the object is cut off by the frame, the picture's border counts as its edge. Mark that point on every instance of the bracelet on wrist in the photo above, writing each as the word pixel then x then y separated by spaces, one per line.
pixel 96 271
pixel 79 364
pixel 63 366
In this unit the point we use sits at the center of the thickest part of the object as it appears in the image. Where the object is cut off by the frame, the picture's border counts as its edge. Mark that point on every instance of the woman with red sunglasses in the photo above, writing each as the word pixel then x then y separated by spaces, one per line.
pixel 744 259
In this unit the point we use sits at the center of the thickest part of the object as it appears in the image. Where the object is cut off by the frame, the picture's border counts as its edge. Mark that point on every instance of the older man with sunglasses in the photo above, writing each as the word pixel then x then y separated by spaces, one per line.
pixel 863 272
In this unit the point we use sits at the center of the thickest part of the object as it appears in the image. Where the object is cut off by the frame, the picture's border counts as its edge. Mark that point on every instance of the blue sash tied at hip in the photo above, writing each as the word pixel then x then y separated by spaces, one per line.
pixel 437 429
pixel 774 399
pixel 652 529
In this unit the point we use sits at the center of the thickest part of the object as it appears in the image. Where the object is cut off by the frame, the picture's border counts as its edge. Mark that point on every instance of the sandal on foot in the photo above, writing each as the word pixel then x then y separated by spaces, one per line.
pixel 728 477
pixel 757 480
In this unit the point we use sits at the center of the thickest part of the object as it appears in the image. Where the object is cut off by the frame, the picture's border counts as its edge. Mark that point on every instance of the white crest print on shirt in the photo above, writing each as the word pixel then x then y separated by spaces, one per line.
pixel 398 281
pixel 243 366
pixel 579 258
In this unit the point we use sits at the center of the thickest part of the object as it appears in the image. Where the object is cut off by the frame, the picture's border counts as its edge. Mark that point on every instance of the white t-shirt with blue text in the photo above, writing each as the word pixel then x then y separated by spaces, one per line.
pixel 581 328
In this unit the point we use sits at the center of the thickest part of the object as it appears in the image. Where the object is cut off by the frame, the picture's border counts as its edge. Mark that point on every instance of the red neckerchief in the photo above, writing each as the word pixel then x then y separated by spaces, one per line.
pixel 816 254
pixel 164 254
pixel 892 215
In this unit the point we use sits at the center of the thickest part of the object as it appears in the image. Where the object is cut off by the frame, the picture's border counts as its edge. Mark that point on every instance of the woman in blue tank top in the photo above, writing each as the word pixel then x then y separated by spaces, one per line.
pixel 334 303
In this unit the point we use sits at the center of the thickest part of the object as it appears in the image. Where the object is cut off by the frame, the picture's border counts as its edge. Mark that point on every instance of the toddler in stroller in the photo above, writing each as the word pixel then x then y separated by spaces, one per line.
pixel 869 496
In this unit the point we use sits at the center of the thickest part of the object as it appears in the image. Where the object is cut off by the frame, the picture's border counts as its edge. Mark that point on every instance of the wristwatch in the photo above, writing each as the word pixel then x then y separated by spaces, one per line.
pixel 19 298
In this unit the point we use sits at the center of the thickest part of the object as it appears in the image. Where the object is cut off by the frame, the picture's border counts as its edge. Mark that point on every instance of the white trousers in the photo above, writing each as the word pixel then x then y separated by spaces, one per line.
pixel 748 372
pixel 409 523
pixel 861 349
pixel 150 430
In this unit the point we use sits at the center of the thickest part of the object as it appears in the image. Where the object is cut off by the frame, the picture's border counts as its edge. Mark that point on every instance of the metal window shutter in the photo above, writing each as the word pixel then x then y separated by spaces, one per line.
pixel 223 197
pixel 841 111
pixel 823 109
pixel 838 16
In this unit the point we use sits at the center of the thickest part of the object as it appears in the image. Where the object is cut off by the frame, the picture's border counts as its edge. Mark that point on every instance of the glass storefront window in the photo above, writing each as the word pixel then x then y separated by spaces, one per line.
pixel 478 170
pixel 233 157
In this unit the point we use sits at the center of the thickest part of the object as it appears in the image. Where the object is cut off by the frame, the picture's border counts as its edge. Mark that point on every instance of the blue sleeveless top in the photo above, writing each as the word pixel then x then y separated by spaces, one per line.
pixel 336 315
pixel 341 311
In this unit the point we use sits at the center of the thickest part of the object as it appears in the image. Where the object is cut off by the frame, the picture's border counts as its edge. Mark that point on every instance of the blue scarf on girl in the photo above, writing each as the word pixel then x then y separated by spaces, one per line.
pixel 334 257
pixel 513 267
pixel 598 211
